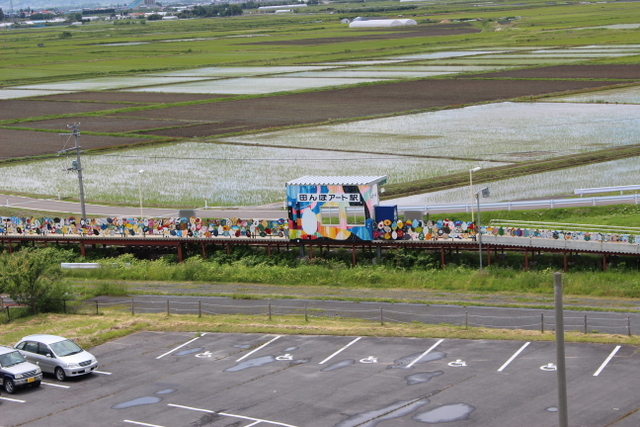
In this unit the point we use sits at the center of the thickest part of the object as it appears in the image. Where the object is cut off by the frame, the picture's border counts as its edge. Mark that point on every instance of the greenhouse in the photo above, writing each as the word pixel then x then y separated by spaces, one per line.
pixel 382 23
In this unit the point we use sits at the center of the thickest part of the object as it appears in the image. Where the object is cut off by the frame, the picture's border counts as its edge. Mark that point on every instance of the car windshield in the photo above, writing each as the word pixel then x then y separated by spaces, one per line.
pixel 11 359
pixel 65 348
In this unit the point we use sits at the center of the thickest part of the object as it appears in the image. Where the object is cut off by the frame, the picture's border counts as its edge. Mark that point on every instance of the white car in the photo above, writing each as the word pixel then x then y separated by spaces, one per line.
pixel 57 355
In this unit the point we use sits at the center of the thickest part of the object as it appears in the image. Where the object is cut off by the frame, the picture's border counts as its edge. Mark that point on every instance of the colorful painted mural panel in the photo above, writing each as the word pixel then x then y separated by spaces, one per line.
pixel 332 208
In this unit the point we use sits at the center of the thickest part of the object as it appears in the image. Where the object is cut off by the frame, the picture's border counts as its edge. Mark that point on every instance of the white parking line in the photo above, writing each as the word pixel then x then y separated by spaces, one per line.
pixel 180 346
pixel 8 399
pixel 424 354
pixel 263 345
pixel 101 372
pixel 513 357
pixel 141 424
pixel 226 414
pixel 339 351
pixel 55 385
pixel 613 353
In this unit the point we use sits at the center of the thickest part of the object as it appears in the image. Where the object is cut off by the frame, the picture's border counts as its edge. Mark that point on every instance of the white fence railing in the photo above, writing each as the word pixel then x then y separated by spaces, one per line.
pixel 525 204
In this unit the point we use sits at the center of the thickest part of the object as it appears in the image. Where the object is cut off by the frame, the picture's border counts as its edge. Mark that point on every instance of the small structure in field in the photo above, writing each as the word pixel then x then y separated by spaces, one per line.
pixel 382 23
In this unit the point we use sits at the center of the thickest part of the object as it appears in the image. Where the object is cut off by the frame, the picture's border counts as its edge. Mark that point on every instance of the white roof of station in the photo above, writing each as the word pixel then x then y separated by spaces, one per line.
pixel 338 180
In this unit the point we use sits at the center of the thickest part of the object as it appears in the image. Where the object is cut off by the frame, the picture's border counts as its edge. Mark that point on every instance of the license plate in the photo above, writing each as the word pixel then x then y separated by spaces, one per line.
pixel 30 380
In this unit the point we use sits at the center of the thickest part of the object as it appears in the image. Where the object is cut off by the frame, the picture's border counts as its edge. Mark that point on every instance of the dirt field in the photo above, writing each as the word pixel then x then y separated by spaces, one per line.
pixel 232 116
pixel 20 143
pixel 631 72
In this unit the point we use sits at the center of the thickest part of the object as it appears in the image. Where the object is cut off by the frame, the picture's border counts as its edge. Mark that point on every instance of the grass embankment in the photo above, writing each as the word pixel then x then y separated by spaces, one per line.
pixel 89 331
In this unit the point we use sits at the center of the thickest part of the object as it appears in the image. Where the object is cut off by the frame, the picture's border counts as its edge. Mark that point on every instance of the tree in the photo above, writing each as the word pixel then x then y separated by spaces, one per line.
pixel 33 277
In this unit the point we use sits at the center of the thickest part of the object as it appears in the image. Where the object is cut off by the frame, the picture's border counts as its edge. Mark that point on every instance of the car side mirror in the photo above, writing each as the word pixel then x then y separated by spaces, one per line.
pixel 50 355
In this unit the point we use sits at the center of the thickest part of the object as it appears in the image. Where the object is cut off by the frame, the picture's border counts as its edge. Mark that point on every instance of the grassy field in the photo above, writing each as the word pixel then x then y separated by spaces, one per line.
pixel 102 48
pixel 89 331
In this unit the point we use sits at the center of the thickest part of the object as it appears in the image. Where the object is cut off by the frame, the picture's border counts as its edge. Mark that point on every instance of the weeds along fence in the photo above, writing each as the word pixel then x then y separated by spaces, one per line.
pixel 381 313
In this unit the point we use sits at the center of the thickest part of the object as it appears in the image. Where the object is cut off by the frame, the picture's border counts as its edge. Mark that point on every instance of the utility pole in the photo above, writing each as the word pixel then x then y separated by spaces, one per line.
pixel 563 417
pixel 76 165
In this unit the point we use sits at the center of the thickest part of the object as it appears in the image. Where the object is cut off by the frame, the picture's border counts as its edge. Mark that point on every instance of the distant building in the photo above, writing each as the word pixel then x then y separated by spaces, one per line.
pixel 137 4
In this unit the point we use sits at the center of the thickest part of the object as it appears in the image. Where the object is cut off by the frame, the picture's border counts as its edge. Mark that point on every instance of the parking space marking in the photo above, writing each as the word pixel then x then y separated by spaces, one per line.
pixel 606 362
pixel 8 399
pixel 514 356
pixel 339 351
pixel 55 385
pixel 262 346
pixel 141 424
pixel 102 372
pixel 226 414
pixel 180 346
pixel 424 354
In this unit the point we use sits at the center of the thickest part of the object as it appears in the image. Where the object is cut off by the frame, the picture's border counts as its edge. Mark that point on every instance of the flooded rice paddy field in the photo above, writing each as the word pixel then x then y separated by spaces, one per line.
pixel 225 174
pixel 255 85
pixel 541 185
pixel 106 83
pixel 504 132
pixel 627 95
pixel 250 169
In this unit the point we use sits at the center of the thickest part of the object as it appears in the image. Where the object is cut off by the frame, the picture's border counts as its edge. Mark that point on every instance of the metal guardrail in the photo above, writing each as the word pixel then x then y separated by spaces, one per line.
pixel 524 204
pixel 596 190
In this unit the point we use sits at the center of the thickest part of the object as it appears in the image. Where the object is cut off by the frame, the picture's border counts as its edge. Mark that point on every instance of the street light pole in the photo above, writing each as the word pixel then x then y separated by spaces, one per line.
pixel 140 172
pixel 485 193
pixel 471 171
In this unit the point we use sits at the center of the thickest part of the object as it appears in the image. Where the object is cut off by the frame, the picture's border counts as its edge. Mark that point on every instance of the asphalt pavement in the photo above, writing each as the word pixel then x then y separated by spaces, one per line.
pixel 268 212
pixel 178 379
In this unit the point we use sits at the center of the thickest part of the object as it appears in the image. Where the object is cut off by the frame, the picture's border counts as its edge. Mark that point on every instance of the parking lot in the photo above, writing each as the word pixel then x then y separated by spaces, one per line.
pixel 190 379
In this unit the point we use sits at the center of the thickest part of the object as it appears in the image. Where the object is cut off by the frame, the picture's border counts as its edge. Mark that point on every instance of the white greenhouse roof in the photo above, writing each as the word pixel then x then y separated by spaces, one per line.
pixel 338 180
pixel 382 23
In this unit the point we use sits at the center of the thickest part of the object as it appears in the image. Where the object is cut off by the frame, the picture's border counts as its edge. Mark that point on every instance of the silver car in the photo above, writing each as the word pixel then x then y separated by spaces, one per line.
pixel 57 355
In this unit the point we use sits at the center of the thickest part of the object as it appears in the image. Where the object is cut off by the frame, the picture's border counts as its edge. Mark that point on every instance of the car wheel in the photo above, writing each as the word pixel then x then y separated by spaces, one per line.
pixel 60 375
pixel 36 384
pixel 9 386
